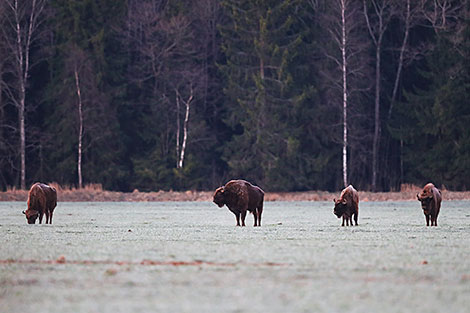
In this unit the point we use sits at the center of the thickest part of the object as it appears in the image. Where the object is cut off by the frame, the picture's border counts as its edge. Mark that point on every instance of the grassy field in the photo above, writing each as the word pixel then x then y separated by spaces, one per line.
pixel 189 257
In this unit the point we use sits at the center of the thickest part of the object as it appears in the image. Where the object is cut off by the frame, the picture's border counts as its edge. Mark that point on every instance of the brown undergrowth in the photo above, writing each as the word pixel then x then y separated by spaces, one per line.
pixel 94 192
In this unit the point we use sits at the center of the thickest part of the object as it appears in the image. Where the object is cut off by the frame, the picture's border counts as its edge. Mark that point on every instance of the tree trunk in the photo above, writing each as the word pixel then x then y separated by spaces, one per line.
pixel 80 132
pixel 400 60
pixel 22 71
pixel 345 94
pixel 377 39
pixel 185 127
pixel 21 105
pixel 177 130
pixel 22 140
pixel 185 135
pixel 375 144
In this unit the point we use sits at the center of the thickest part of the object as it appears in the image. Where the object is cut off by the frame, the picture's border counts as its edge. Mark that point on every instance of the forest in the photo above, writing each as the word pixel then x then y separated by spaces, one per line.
pixel 291 95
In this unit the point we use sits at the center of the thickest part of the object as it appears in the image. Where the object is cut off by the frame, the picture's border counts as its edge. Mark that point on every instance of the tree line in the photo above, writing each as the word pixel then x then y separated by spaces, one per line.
pixel 289 94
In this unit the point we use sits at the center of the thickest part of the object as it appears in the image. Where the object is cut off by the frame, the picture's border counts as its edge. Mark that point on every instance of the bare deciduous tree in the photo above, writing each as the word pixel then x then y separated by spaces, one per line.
pixel 382 13
pixel 23 21
pixel 167 56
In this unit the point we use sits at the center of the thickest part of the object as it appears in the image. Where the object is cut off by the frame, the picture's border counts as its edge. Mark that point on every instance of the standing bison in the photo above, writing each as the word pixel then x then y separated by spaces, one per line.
pixel 347 205
pixel 430 199
pixel 41 199
pixel 241 196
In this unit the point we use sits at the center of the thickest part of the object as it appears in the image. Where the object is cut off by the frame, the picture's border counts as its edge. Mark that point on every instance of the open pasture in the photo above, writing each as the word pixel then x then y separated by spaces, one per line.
pixel 190 257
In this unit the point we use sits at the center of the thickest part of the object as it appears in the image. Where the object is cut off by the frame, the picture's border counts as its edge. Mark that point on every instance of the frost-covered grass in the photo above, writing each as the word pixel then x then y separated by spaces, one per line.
pixel 190 257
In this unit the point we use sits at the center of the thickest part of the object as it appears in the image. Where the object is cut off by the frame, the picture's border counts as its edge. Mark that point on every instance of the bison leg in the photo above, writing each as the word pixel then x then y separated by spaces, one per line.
pixel 427 220
pixel 237 215
pixel 343 221
pixel 255 216
pixel 47 217
pixel 433 220
pixel 258 213
pixel 350 221
pixel 50 218
pixel 243 217
pixel 41 214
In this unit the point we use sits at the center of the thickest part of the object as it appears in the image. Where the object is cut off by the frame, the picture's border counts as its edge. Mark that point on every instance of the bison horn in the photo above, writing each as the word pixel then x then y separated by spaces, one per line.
pixel 24 212
pixel 417 196
pixel 344 201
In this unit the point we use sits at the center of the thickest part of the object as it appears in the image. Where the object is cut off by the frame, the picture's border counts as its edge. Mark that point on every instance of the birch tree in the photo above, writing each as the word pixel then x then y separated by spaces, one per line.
pixel 80 131
pixel 24 20
pixel 180 151
pixel 343 52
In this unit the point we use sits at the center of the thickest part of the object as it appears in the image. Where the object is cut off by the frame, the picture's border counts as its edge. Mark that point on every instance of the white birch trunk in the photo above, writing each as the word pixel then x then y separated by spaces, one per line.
pixel 185 128
pixel 80 131
pixel 22 57
pixel 185 135
pixel 22 95
pixel 345 93
pixel 177 129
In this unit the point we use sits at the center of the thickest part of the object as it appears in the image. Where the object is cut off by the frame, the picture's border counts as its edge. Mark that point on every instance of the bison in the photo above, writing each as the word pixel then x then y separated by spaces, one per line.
pixel 41 199
pixel 347 205
pixel 241 196
pixel 430 199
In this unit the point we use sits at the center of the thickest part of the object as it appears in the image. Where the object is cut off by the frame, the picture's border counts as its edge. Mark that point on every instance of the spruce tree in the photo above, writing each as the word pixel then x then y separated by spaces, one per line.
pixel 433 123
pixel 260 44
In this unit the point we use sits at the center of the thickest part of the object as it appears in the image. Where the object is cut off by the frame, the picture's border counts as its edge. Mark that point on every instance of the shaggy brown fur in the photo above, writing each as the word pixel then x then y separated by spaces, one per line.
pixel 430 199
pixel 41 199
pixel 241 196
pixel 347 205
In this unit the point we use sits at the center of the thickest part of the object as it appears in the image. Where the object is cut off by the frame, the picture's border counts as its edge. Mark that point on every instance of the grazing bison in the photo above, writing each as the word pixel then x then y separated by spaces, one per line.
pixel 241 196
pixel 430 199
pixel 41 199
pixel 347 205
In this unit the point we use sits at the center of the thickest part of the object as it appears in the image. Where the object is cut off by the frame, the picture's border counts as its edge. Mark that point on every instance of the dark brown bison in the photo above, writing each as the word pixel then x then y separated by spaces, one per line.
pixel 347 205
pixel 430 199
pixel 241 196
pixel 41 199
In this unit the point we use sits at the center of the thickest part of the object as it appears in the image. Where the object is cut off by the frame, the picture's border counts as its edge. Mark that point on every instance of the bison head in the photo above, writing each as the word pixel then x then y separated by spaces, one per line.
pixel 340 207
pixel 425 199
pixel 31 216
pixel 219 197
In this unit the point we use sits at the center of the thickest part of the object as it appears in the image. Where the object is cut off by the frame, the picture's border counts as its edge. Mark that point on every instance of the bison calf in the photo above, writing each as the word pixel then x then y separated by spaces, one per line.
pixel 241 196
pixel 41 199
pixel 347 205
pixel 430 199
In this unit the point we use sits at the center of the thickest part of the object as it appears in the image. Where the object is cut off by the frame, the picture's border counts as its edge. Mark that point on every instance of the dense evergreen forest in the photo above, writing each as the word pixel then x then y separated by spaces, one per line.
pixel 186 94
